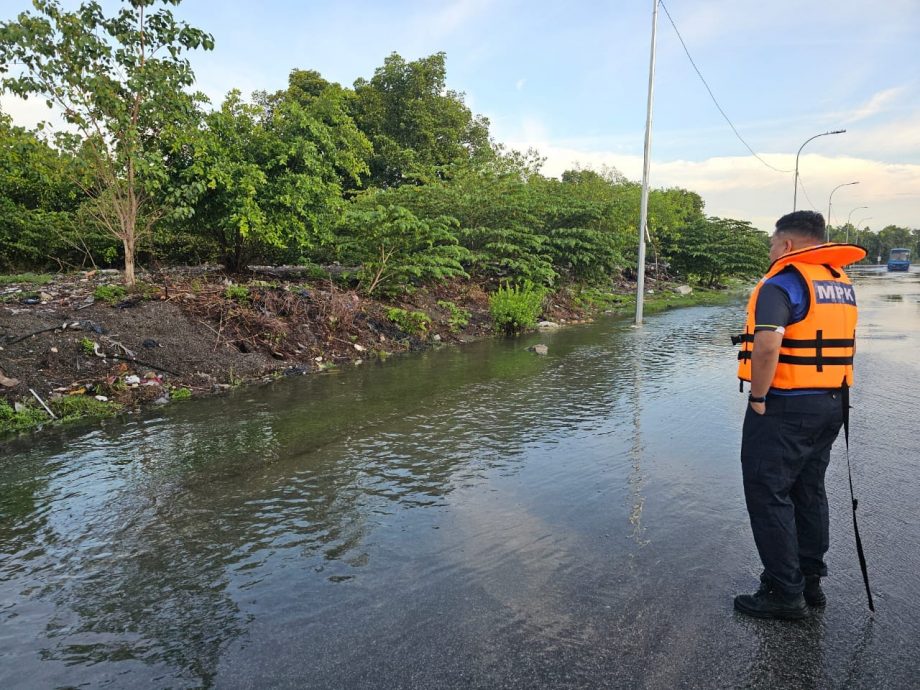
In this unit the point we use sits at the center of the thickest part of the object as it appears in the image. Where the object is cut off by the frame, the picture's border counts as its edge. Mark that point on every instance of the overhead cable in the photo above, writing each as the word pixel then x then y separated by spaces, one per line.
pixel 712 96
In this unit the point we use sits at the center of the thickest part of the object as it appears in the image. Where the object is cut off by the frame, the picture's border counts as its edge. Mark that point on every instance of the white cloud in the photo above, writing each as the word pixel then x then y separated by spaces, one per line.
pixel 519 84
pixel 743 188
pixel 878 103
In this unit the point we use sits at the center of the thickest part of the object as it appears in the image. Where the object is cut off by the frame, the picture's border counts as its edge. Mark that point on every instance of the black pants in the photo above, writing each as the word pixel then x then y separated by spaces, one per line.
pixel 784 455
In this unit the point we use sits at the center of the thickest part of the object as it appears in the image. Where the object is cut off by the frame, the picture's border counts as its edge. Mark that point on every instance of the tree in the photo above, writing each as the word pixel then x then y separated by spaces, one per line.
pixel 395 249
pixel 414 122
pixel 714 248
pixel 266 176
pixel 120 83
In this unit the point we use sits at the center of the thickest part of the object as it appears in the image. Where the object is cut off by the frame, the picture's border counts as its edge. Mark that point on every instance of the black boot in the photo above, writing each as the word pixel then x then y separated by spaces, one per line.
pixel 770 602
pixel 814 595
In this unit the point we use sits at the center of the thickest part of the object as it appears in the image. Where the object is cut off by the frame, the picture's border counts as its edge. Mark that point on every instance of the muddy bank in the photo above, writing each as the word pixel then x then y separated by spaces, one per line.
pixel 87 347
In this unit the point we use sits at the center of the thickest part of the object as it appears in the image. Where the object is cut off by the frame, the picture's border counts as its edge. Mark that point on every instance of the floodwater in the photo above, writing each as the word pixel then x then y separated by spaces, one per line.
pixel 470 517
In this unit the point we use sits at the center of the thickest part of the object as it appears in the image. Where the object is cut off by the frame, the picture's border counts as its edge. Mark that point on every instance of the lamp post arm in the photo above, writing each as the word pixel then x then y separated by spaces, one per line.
pixel 796 191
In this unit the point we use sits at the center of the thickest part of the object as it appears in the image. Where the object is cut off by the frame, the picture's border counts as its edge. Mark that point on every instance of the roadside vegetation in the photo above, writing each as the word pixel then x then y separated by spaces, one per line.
pixel 385 202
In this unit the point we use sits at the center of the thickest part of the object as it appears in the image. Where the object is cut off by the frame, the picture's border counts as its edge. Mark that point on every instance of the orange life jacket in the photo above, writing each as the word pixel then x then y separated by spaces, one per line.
pixel 816 352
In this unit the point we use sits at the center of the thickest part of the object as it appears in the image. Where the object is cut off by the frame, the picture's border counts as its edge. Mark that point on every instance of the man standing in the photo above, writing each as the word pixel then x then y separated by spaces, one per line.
pixel 797 354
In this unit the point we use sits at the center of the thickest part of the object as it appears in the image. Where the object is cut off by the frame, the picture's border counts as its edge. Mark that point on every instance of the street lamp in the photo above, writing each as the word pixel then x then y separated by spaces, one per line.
pixel 823 134
pixel 827 225
pixel 848 220
pixel 859 225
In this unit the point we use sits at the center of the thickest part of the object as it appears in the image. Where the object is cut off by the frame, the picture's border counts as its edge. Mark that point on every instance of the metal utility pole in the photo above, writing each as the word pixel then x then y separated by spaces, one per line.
pixel 643 212
pixel 827 225
pixel 795 194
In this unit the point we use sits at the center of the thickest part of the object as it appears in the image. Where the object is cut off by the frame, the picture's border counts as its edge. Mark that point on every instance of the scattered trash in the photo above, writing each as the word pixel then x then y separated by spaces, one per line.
pixel 31 300
pixel 318 359
pixel 102 398
pixel 54 350
pixel 150 343
pixel 133 380
pixel 360 348
pixel 436 338
pixel 161 400
pixel 684 289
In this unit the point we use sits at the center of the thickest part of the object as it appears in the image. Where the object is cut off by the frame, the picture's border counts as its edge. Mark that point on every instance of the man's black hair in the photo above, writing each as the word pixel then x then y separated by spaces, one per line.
pixel 808 224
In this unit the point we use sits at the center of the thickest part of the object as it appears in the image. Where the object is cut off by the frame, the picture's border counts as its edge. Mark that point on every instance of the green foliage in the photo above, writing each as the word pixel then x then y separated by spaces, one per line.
pixel 395 249
pixel 415 123
pixel 458 319
pixel 28 417
pixel 410 322
pixel 38 200
pixel 714 248
pixel 30 278
pixel 180 394
pixel 515 308
pixel 239 293
pixel 72 407
pixel 265 178
pixel 109 293
pixel 67 408
pixel 88 346
pixel 121 84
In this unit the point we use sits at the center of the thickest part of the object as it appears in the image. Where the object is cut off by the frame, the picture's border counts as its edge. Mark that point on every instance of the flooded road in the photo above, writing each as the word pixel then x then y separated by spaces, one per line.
pixel 474 517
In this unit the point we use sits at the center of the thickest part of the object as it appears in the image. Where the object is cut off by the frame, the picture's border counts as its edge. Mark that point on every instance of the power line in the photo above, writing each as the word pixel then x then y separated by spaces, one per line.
pixel 805 192
pixel 712 96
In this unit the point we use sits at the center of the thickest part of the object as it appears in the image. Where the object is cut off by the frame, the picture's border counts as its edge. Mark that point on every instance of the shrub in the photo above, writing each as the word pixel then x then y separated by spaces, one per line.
pixel 396 250
pixel 410 322
pixel 240 293
pixel 109 293
pixel 180 394
pixel 459 318
pixel 32 278
pixel 515 308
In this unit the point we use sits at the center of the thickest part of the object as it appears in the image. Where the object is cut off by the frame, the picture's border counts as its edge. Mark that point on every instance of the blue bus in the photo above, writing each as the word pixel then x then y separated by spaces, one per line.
pixel 899 259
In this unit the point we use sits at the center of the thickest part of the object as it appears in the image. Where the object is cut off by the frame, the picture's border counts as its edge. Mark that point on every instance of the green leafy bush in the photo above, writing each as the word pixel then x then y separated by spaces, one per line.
pixel 180 394
pixel 396 249
pixel 410 322
pixel 515 308
pixel 239 293
pixel 109 293
pixel 459 317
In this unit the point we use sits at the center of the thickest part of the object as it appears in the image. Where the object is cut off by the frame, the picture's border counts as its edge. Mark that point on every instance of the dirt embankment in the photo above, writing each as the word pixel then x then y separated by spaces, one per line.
pixel 194 332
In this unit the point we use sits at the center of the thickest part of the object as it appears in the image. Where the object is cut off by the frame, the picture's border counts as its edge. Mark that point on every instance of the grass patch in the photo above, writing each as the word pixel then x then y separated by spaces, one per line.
pixel 31 278
pixel 238 293
pixel 68 408
pixel 109 293
pixel 410 322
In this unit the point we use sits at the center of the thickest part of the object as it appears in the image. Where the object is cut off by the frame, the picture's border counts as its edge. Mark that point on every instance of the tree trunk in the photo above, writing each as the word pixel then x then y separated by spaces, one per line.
pixel 129 241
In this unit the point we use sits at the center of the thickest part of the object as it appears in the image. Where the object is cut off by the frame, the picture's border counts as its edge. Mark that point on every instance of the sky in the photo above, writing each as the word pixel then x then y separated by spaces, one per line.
pixel 571 80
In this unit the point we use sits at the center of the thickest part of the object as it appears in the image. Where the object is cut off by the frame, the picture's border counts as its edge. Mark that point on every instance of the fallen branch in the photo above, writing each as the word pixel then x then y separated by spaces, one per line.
pixel 43 330
pixel 145 364
pixel 47 409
